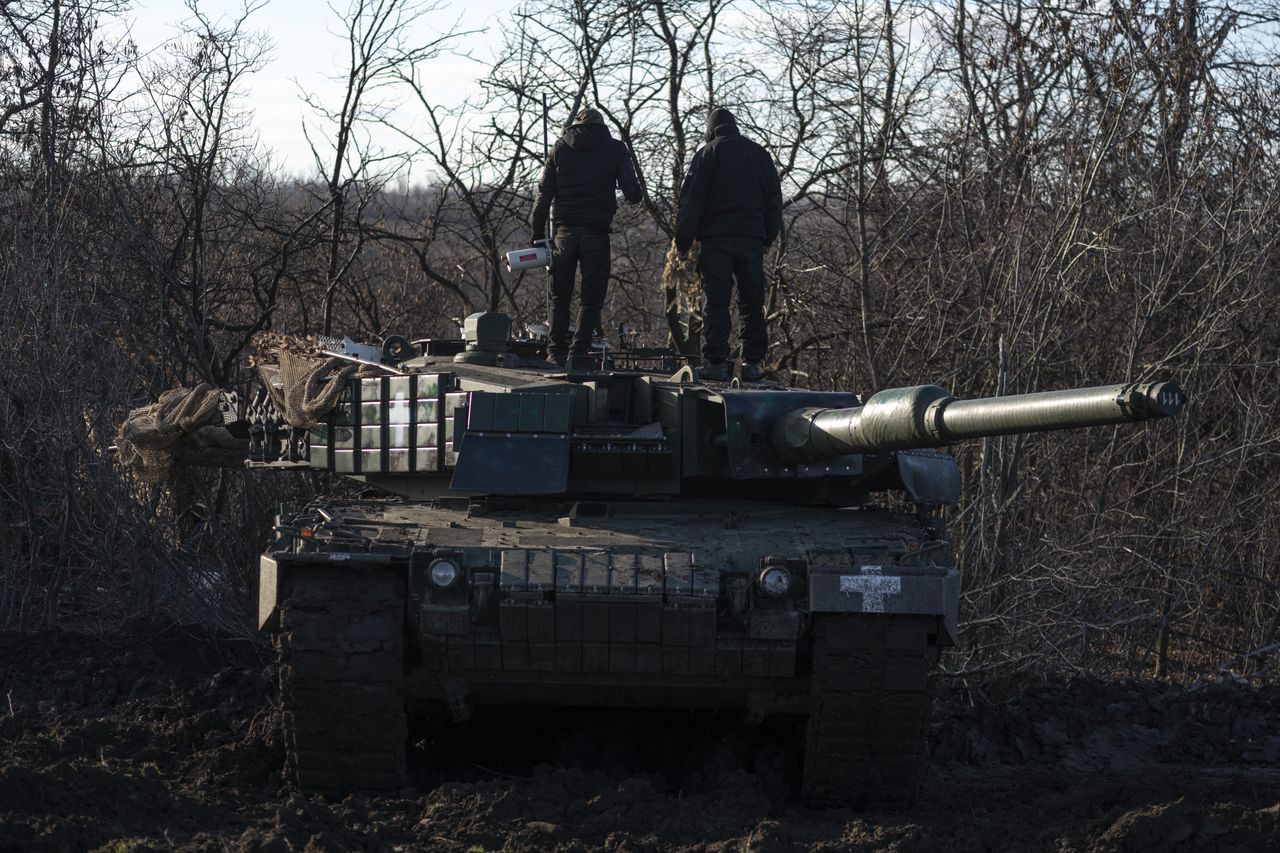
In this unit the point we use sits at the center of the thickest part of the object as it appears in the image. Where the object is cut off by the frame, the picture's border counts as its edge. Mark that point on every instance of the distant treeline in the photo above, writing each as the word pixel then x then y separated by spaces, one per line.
pixel 996 197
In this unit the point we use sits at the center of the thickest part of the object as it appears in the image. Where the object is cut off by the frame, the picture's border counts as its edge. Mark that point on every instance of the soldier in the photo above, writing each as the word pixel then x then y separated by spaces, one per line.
pixel 731 200
pixel 580 176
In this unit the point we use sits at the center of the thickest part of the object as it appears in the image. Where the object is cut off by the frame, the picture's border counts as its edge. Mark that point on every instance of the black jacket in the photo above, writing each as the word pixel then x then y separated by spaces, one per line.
pixel 580 176
pixel 731 189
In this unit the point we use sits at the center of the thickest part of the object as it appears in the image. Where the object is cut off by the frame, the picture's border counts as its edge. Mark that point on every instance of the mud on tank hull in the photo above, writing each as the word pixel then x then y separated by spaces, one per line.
pixel 836 615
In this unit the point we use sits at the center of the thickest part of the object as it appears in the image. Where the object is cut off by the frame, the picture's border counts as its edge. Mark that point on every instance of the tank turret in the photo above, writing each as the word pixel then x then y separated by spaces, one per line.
pixel 927 416
pixel 488 416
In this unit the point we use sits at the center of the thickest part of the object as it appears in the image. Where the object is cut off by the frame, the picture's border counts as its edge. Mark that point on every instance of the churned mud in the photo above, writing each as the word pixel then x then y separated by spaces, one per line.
pixel 161 738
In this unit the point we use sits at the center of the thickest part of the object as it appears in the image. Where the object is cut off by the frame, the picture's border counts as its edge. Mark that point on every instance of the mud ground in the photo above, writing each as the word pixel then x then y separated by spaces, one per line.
pixel 160 738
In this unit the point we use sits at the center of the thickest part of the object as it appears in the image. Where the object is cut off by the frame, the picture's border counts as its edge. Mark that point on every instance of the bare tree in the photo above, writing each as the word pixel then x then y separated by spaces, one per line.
pixel 381 41
pixel 994 196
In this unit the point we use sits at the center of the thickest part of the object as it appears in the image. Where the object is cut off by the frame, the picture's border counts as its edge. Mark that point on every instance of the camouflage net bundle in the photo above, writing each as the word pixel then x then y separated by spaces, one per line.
pixel 189 425
pixel 304 384
pixel 680 277
pixel 185 425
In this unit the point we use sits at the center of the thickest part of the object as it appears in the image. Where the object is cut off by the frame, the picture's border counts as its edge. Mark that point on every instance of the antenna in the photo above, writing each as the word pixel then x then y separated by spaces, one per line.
pixel 551 222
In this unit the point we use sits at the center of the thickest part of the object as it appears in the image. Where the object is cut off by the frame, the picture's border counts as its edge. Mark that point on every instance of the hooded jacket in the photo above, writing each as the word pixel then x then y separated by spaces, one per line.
pixel 731 188
pixel 585 167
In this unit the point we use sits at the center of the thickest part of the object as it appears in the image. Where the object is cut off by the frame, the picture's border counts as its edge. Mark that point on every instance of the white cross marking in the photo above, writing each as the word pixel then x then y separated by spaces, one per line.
pixel 874 588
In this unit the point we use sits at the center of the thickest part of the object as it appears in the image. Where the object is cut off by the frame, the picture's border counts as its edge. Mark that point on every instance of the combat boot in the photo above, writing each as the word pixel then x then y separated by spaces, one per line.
pixel 752 372
pixel 716 371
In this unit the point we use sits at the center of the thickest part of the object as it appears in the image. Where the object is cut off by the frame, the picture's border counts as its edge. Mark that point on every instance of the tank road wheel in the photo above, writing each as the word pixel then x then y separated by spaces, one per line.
pixel 870 698
pixel 341 656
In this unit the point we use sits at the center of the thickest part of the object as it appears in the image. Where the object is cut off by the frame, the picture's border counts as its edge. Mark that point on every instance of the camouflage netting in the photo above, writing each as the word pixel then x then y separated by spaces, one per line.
pixel 680 276
pixel 304 385
pixel 185 425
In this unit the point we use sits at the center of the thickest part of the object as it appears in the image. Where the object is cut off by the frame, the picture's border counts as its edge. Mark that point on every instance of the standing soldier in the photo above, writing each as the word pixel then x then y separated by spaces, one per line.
pixel 580 176
pixel 731 200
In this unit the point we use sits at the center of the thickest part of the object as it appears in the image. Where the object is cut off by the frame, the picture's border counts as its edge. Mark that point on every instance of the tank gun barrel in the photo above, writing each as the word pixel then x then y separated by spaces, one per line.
pixel 927 416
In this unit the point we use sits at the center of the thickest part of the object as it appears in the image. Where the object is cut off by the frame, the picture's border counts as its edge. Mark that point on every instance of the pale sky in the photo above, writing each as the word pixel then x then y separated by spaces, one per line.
pixel 308 45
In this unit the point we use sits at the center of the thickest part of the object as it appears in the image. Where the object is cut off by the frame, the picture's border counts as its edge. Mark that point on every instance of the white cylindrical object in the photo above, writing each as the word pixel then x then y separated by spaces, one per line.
pixel 525 259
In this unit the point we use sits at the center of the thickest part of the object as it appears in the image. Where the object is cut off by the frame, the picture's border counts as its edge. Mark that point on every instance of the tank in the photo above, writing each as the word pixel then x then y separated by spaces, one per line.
pixel 619 533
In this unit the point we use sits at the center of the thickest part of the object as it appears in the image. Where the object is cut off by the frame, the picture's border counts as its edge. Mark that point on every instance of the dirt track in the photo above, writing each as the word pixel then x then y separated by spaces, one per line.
pixel 158 739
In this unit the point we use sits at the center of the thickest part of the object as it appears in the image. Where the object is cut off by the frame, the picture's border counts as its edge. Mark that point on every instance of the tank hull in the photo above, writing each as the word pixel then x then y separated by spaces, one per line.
pixel 668 592
pixel 624 604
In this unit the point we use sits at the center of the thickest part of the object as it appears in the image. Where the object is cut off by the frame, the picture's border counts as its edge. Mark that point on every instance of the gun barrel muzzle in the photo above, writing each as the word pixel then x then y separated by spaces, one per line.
pixel 927 416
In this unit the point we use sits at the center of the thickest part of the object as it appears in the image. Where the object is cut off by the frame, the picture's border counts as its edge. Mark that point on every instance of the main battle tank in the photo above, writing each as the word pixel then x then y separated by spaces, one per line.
pixel 621 534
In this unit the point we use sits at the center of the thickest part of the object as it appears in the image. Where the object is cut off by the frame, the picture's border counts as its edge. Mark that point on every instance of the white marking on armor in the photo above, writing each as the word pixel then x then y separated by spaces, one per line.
pixel 873 570
pixel 873 588
pixel 339 557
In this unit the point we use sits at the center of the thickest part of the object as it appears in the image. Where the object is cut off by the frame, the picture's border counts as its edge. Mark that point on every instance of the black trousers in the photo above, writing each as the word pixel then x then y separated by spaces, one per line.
pixel 575 247
pixel 721 262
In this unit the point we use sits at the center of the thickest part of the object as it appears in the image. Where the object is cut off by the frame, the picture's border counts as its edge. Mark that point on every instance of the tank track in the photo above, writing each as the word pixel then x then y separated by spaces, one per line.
pixel 341 661
pixel 870 700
